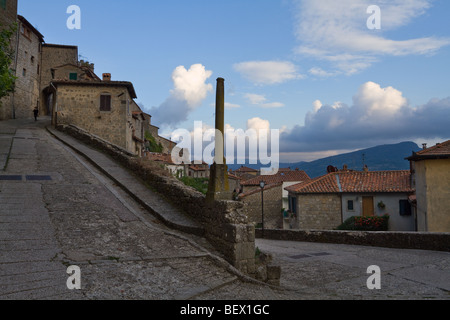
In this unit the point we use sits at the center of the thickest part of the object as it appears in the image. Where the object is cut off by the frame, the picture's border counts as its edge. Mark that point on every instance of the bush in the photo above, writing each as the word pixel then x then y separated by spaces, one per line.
pixel 200 184
pixel 366 224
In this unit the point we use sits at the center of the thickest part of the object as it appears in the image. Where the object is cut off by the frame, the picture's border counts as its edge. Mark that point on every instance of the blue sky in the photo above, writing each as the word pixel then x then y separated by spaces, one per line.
pixel 309 68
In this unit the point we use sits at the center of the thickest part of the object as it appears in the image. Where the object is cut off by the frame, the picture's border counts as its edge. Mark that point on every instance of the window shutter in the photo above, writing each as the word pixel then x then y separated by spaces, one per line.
pixel 105 103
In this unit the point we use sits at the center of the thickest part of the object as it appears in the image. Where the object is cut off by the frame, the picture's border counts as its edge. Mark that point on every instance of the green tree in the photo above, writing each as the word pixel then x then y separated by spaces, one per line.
pixel 7 78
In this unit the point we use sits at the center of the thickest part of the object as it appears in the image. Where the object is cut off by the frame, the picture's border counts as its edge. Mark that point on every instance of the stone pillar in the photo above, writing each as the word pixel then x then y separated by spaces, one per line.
pixel 219 188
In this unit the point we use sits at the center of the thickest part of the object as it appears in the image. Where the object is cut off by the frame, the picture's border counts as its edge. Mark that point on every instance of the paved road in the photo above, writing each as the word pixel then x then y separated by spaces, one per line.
pixel 57 210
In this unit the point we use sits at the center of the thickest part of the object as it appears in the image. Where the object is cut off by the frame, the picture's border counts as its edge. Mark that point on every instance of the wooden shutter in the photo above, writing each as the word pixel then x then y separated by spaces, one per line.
pixel 105 103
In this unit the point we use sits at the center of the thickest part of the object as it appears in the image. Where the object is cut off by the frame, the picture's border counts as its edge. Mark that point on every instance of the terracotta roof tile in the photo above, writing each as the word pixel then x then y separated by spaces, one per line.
pixel 357 182
pixel 245 169
pixel 440 150
pixel 253 191
pixel 282 176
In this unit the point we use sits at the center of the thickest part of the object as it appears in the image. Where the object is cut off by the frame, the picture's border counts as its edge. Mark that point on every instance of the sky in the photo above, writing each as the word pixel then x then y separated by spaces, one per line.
pixel 332 76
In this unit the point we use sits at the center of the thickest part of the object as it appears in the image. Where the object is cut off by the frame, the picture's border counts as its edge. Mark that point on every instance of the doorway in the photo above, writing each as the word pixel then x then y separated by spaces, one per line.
pixel 368 207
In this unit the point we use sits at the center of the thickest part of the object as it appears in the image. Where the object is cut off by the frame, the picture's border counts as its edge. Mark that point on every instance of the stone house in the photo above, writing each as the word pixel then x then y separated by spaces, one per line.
pixel 273 217
pixel 198 170
pixel 166 144
pixel 246 172
pixel 275 195
pixel 287 177
pixel 430 170
pixel 27 45
pixel 101 107
pixel 327 201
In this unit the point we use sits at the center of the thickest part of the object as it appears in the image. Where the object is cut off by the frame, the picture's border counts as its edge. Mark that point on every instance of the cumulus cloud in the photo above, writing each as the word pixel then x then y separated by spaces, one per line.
pixel 189 92
pixel 377 116
pixel 336 32
pixel 267 72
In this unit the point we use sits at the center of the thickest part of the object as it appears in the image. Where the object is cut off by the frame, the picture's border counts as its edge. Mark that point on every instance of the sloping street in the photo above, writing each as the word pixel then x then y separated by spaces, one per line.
pixel 58 210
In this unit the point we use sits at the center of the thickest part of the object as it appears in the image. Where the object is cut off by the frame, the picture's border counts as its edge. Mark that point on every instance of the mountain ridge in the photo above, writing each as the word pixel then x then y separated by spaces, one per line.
pixel 378 158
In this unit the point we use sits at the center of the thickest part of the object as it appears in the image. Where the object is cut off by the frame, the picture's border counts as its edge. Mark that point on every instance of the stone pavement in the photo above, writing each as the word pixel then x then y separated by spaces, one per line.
pixel 58 209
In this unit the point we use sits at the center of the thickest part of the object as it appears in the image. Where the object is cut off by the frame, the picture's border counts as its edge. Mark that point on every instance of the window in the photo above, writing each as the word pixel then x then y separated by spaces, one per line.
pixel 3 4
pixel 105 102
pixel 73 76
pixel 32 59
pixel 350 205
pixel 24 72
pixel 293 204
pixel 53 73
pixel 405 208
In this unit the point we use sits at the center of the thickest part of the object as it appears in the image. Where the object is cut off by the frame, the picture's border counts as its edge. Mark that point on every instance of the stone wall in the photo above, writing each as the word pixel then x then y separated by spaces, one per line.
pixel 79 105
pixel 8 16
pixel 398 240
pixel 26 95
pixel 318 211
pixel 225 223
pixel 273 218
pixel 55 56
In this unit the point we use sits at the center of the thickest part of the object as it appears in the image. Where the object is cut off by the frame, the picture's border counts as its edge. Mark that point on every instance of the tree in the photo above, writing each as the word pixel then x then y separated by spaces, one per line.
pixel 7 78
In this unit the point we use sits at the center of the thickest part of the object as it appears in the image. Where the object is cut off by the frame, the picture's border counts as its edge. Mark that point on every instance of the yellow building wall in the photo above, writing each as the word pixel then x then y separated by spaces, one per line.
pixel 433 195
pixel 438 195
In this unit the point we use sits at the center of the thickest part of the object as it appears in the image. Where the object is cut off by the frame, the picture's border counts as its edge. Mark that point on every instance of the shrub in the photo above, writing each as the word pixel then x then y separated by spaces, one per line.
pixel 200 184
pixel 366 224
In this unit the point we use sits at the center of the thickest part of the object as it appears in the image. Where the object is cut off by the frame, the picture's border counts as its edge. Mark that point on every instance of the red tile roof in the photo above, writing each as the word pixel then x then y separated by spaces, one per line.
pixel 439 151
pixel 160 157
pixel 357 182
pixel 245 169
pixel 253 191
pixel 282 176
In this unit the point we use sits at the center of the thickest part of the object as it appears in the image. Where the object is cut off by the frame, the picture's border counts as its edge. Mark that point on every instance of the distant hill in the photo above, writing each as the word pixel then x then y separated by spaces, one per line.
pixel 384 157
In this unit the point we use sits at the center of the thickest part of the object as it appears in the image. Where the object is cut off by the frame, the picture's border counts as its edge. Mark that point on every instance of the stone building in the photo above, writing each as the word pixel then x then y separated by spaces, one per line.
pixel 50 77
pixel 103 108
pixel 166 144
pixel 27 45
pixel 273 217
pixel 8 16
pixel 287 177
pixel 327 201
pixel 431 178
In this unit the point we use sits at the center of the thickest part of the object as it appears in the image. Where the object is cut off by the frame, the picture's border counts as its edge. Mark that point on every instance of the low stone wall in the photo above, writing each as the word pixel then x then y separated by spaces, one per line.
pixel 398 240
pixel 225 222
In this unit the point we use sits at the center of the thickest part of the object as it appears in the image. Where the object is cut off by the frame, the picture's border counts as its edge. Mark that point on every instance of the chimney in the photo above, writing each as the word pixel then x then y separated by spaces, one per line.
pixel 107 77
pixel 424 146
pixel 366 168
pixel 345 168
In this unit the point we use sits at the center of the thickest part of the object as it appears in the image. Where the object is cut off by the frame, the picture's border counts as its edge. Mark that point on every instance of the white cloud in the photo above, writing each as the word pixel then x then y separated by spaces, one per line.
pixel 319 72
pixel 189 92
pixel 271 105
pixel 255 98
pixel 258 124
pixel 267 72
pixel 336 31
pixel 231 105
pixel 190 85
pixel 261 101
pixel 379 102
pixel 378 115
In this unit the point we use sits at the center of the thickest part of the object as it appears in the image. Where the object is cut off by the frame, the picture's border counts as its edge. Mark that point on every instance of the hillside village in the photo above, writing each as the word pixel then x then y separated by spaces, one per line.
pixel 51 78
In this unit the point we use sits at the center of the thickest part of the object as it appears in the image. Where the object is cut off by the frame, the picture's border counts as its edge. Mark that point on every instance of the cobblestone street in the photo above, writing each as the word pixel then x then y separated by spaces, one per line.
pixel 57 210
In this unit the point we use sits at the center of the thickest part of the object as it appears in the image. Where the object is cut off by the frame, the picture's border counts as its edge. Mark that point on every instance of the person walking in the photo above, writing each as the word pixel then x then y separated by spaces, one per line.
pixel 35 112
